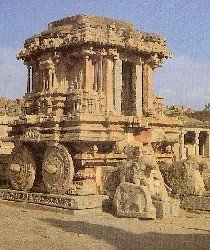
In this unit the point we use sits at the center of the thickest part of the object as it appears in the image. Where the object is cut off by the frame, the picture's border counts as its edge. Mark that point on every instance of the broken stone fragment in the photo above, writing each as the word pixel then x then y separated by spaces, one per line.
pixel 186 177
pixel 132 200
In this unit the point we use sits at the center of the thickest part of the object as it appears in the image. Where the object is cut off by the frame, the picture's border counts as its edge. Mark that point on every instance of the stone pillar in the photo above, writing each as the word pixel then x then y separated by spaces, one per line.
pixel 100 74
pixel 44 80
pixel 138 89
pixel 88 74
pixel 55 78
pixel 208 144
pixel 197 143
pixel 52 80
pixel 49 85
pixel 95 85
pixel 182 145
pixel 147 91
pixel 117 85
pixel 32 80
pixel 109 85
pixel 35 79
pixel 29 79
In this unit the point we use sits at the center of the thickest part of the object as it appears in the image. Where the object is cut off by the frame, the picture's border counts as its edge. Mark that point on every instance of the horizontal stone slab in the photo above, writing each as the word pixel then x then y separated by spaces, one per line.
pixel 61 201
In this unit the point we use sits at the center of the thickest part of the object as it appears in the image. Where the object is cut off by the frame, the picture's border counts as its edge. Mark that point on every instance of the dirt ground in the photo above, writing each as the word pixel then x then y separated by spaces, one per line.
pixel 24 228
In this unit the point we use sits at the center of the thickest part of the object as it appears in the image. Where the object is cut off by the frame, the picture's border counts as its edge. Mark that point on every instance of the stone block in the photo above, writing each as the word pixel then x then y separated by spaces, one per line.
pixel 162 209
pixel 109 181
pixel 175 207
pixel 196 202
pixel 85 187
pixel 87 202
pixel 166 208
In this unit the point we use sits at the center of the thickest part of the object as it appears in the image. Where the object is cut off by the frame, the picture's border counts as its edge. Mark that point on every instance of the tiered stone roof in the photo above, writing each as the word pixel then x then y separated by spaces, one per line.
pixel 93 31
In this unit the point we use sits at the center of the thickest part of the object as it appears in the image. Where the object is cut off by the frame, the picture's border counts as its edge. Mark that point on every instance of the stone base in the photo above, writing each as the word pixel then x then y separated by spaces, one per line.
pixel 196 202
pixel 34 206
pixel 84 187
pixel 166 209
pixel 59 201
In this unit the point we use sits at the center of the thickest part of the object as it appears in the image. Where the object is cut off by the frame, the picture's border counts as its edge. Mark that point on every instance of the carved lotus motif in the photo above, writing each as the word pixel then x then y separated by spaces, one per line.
pixel 32 134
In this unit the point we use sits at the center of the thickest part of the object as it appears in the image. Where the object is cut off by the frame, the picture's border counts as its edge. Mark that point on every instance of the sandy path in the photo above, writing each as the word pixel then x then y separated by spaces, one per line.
pixel 22 228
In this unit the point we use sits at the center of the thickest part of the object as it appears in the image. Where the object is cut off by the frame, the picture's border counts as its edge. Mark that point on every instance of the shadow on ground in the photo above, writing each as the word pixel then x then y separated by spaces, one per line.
pixel 122 239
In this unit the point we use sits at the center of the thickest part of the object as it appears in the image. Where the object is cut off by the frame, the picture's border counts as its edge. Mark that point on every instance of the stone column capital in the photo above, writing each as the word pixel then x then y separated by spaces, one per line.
pixel 155 60
pixel 197 133
pixel 113 54
pixel 184 132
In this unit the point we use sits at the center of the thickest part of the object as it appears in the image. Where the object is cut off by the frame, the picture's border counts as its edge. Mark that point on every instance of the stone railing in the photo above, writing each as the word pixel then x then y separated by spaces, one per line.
pixel 81 101
pixel 78 101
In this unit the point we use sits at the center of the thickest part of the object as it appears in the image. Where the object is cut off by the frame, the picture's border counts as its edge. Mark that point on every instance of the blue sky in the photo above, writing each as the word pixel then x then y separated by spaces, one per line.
pixel 183 79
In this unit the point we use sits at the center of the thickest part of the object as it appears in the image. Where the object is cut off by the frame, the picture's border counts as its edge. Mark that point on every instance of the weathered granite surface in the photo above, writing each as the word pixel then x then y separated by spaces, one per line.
pixel 132 200
pixel 87 29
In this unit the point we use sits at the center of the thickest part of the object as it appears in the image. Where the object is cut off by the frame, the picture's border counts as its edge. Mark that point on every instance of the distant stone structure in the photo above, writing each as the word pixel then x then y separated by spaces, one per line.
pixel 177 110
pixel 9 111
pixel 89 111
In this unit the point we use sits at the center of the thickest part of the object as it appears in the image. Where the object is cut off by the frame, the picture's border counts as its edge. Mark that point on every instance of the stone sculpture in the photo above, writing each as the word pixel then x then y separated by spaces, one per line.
pixel 142 192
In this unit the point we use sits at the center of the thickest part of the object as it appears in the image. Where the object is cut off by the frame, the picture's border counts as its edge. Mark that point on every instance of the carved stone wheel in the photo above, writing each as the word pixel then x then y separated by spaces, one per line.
pixel 57 169
pixel 22 168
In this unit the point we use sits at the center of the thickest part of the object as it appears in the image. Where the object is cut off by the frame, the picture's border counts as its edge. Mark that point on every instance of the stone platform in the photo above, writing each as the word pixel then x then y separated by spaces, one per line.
pixel 196 203
pixel 69 202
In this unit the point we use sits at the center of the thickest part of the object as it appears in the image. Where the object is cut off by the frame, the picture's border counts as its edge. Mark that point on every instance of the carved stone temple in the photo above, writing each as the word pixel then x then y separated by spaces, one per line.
pixel 91 127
